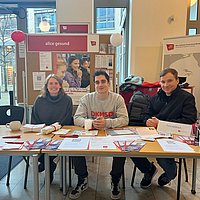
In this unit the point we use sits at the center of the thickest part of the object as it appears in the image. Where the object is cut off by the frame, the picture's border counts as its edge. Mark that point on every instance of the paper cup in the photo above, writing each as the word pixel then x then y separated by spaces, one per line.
pixel 88 124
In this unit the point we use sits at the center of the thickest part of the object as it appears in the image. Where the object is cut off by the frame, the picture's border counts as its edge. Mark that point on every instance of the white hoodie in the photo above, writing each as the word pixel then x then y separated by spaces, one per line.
pixel 113 109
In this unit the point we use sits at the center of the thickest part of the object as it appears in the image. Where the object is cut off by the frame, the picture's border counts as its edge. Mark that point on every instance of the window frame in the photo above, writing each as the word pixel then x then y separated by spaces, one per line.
pixel 193 24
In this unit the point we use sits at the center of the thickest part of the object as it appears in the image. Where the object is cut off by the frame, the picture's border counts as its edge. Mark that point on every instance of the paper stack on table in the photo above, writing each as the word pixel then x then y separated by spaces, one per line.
pixel 12 146
pixel 61 131
pixel 146 131
pixel 129 146
pixel 175 128
pixel 39 143
pixel 174 146
pixel 122 131
pixel 74 144
pixel 101 143
pixel 33 127
pixel 49 129
pixel 85 133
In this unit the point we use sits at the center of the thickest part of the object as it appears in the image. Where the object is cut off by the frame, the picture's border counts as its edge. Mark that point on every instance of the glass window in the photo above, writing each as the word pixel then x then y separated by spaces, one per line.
pixel 112 20
pixel 8 24
pixel 193 21
pixel 193 9
pixel 192 31
pixel 105 19
pixel 42 20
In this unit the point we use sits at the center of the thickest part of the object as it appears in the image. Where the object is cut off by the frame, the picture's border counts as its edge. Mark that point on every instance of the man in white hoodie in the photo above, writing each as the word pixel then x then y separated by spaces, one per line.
pixel 108 110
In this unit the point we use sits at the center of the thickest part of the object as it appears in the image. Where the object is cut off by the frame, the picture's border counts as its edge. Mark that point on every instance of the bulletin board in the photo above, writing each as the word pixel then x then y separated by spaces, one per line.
pixel 30 64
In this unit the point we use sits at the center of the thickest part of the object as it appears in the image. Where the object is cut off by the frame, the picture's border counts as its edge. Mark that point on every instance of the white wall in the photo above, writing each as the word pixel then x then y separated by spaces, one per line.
pixel 75 11
pixel 149 25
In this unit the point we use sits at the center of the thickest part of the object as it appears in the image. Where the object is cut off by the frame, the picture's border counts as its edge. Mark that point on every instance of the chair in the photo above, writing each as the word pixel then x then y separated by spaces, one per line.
pixel 10 113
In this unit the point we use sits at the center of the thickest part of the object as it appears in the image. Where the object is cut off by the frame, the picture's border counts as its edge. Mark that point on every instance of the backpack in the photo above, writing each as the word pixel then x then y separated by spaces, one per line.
pixel 137 108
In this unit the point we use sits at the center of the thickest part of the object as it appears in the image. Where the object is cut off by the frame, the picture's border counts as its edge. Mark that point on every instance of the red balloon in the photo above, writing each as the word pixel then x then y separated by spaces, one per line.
pixel 18 36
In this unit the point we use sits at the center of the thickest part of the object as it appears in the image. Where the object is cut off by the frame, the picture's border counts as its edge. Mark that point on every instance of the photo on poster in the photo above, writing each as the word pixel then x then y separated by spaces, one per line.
pixel 73 69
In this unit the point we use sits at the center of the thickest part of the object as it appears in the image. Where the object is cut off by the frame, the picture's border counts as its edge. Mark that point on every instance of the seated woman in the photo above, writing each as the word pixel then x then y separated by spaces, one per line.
pixel 73 74
pixel 53 105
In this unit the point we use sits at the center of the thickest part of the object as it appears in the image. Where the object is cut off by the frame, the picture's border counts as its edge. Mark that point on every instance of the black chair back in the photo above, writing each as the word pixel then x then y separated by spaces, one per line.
pixel 11 113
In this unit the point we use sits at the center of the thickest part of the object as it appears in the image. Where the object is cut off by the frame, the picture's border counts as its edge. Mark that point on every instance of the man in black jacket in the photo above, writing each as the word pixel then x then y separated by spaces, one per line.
pixel 173 104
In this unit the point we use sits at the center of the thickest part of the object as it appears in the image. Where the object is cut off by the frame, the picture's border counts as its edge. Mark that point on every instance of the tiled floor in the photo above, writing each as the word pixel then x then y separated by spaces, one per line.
pixel 99 184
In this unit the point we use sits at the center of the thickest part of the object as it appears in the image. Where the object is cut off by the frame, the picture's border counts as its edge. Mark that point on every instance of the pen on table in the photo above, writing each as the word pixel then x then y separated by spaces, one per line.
pixel 12 136
pixel 19 142
pixel 69 136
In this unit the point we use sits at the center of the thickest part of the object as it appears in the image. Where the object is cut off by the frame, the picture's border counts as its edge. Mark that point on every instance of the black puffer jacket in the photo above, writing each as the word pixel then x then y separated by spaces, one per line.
pixel 179 107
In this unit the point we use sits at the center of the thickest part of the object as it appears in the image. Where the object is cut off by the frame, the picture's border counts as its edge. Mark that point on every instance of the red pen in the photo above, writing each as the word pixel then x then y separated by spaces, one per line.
pixel 19 142
pixel 12 136
pixel 69 136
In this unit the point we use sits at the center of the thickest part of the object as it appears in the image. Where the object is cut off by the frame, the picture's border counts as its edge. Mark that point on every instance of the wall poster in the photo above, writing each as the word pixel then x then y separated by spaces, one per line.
pixel 183 54
pixel 74 70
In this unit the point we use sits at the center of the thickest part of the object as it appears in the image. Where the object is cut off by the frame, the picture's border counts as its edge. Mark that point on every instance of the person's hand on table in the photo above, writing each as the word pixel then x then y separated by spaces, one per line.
pixel 153 122
pixel 99 123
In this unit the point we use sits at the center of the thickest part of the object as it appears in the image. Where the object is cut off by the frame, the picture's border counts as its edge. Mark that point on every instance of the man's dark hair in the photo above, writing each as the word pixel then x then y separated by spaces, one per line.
pixel 103 73
pixel 169 70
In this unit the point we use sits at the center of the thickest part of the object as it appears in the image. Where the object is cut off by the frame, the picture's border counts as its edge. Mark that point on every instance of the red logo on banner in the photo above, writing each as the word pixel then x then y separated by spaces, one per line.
pixel 170 47
pixel 93 43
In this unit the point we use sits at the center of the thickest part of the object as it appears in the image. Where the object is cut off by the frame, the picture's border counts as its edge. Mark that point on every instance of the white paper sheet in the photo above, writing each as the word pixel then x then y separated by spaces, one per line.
pixel 124 137
pixel 2 142
pixel 74 144
pixel 85 133
pixel 38 80
pixel 45 61
pixel 170 145
pixel 12 146
pixel 155 136
pixel 174 128
pixel 116 132
pixel 61 131
pixel 146 131
pixel 102 143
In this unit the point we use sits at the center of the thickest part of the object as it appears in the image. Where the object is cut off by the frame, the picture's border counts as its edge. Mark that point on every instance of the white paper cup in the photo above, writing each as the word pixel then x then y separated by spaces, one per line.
pixel 14 125
pixel 88 124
